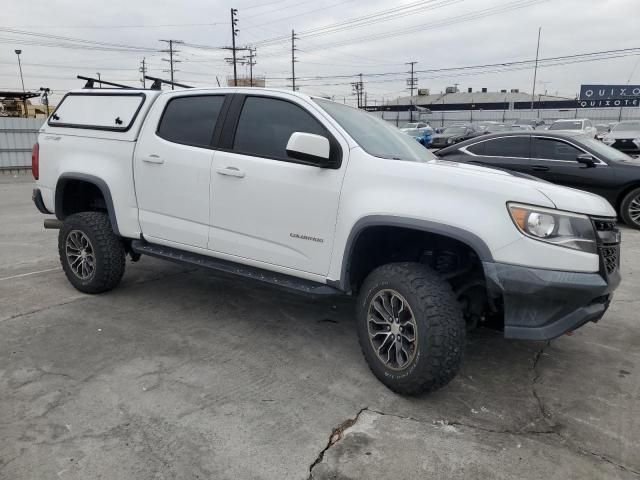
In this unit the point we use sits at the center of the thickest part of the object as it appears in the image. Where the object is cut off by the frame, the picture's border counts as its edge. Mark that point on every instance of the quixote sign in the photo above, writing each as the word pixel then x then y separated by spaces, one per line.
pixel 609 96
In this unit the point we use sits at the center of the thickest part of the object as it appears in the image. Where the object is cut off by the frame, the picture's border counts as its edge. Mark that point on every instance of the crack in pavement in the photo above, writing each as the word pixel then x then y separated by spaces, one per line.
pixel 335 437
pixel 553 427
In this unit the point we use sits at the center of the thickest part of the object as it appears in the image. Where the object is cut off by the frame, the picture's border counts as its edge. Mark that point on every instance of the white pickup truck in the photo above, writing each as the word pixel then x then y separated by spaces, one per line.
pixel 322 198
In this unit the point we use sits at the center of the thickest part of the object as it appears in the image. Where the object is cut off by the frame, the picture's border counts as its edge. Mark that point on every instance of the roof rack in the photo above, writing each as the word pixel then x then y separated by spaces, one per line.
pixel 157 83
pixel 91 81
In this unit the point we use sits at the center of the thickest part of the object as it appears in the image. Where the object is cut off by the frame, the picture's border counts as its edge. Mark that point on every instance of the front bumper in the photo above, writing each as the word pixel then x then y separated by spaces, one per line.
pixel 544 304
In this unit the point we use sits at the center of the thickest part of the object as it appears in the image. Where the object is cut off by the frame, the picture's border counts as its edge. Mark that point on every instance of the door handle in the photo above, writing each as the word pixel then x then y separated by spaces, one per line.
pixel 153 158
pixel 540 168
pixel 231 172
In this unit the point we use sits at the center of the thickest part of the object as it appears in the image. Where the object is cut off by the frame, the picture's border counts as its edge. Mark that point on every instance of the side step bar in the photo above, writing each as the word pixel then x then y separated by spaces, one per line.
pixel 236 269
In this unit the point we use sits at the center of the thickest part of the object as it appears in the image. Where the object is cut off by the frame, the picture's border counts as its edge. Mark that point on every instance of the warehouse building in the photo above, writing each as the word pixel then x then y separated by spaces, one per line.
pixel 454 106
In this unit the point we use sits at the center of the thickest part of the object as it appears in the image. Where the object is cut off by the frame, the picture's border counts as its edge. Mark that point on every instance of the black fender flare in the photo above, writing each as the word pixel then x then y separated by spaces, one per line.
pixel 460 234
pixel 96 181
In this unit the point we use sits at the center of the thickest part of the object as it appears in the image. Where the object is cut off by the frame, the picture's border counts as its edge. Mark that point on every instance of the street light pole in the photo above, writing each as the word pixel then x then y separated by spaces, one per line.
pixel 24 100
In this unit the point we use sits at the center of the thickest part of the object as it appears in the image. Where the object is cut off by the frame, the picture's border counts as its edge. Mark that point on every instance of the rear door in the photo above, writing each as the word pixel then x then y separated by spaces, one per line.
pixel 266 206
pixel 555 160
pixel 172 168
pixel 510 153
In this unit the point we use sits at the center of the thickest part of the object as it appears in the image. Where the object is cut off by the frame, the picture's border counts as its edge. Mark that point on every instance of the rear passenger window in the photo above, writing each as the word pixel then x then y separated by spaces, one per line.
pixel 517 147
pixel 191 120
pixel 266 124
pixel 477 149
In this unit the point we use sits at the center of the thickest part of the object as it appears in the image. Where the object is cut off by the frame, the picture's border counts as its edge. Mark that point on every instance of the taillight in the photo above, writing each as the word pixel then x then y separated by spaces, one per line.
pixel 35 161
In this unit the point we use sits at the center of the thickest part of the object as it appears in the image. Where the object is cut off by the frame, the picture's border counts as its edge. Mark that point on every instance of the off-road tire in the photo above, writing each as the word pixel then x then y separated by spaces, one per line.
pixel 624 208
pixel 107 247
pixel 440 327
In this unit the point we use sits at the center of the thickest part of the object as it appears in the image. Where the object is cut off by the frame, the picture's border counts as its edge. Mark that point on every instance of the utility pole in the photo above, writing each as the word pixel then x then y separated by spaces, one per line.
pixel 172 61
pixel 358 89
pixel 234 33
pixel 143 70
pixel 412 82
pixel 45 97
pixel 293 60
pixel 252 62
pixel 535 70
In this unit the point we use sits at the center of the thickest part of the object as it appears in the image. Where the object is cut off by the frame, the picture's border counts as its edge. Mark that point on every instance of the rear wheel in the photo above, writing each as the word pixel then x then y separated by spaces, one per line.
pixel 92 256
pixel 411 328
pixel 630 208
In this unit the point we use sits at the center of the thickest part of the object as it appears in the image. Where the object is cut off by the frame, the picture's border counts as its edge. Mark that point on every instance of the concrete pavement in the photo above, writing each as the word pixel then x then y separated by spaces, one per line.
pixel 180 374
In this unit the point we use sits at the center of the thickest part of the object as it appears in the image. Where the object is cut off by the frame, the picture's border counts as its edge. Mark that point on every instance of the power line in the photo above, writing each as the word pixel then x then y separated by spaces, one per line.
pixel 482 13
pixel 375 17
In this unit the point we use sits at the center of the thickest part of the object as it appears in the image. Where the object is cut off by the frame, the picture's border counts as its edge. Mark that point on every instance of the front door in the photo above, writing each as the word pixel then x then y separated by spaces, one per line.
pixel 555 160
pixel 266 206
pixel 172 169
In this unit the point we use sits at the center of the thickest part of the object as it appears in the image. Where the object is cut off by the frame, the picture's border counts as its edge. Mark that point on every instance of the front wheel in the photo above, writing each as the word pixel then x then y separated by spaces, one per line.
pixel 411 328
pixel 630 208
pixel 92 255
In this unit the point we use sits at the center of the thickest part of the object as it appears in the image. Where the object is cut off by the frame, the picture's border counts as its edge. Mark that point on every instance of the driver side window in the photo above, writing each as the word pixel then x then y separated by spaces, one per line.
pixel 552 149
pixel 266 124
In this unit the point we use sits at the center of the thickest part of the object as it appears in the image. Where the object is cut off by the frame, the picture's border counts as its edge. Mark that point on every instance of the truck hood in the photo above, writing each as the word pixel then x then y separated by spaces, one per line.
pixel 564 198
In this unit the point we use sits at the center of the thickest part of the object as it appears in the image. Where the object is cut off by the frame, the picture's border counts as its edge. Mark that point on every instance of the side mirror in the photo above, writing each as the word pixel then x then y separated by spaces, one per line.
pixel 309 147
pixel 586 160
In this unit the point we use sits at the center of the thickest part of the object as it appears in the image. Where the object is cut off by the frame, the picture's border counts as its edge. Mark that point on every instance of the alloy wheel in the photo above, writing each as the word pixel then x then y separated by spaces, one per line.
pixel 392 328
pixel 80 254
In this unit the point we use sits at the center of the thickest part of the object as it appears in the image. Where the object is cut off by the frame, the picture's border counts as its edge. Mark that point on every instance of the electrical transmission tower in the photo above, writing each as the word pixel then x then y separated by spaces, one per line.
pixel 172 60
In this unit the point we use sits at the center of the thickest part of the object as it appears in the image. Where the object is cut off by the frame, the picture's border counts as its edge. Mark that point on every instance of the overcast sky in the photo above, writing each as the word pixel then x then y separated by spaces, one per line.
pixel 444 33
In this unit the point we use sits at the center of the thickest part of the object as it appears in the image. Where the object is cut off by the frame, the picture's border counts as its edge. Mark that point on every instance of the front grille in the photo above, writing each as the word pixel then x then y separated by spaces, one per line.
pixel 608 243
pixel 610 258
pixel 625 145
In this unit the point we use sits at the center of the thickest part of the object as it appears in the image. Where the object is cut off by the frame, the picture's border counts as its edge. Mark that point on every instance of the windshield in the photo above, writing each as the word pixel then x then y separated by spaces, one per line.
pixel 603 150
pixel 566 126
pixel 454 131
pixel 627 127
pixel 410 125
pixel 374 135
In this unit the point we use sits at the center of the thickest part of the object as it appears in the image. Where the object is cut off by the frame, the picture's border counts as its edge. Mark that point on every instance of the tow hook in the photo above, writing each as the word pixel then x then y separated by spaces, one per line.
pixel 52 223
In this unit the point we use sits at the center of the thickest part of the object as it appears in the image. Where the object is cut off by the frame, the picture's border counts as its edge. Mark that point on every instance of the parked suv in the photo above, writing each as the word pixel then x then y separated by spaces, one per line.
pixel 323 199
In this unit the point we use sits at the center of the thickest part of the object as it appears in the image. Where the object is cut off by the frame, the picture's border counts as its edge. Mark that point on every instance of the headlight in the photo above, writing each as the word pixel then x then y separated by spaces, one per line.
pixel 450 140
pixel 608 140
pixel 565 229
pixel 637 142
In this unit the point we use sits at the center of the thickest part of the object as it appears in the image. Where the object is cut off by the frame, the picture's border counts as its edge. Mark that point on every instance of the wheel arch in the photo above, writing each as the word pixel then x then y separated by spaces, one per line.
pixel 68 179
pixel 465 237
